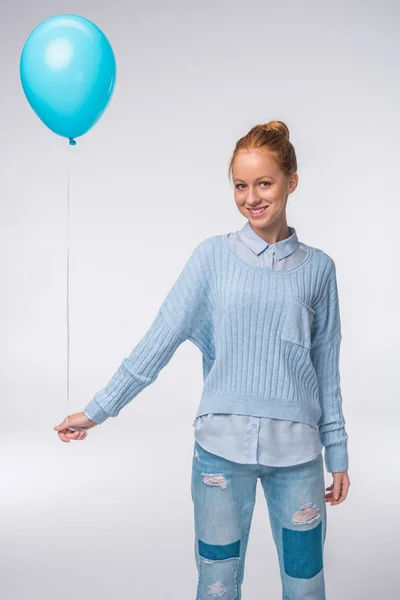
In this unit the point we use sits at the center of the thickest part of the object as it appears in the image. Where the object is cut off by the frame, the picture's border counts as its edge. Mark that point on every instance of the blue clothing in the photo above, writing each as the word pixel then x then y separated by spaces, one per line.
pixel 270 342
pixel 224 495
pixel 247 439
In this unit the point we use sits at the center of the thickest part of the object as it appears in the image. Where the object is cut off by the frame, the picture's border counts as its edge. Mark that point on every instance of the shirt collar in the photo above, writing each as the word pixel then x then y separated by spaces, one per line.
pixel 283 248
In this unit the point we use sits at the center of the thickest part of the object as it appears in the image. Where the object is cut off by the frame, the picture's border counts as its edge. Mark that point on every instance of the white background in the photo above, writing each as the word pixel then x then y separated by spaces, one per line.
pixel 111 517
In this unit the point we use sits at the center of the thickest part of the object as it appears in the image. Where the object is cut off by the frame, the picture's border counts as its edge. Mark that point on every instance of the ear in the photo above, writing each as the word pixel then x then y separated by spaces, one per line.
pixel 293 181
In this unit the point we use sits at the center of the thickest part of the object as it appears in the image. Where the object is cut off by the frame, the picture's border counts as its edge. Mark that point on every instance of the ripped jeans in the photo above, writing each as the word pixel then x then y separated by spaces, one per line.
pixel 224 494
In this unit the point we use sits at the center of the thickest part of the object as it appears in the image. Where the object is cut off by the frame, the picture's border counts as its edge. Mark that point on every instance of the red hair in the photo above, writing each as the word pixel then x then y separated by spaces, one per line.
pixel 274 137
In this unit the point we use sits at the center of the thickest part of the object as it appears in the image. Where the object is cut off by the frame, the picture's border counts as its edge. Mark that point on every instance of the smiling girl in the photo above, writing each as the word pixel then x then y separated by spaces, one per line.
pixel 263 309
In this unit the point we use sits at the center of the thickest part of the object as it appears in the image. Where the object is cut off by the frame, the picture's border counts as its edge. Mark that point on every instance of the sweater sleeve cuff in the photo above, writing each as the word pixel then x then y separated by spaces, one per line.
pixel 95 413
pixel 336 458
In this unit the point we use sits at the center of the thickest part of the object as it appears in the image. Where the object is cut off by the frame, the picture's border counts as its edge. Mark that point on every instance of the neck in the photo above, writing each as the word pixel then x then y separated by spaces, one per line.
pixel 272 233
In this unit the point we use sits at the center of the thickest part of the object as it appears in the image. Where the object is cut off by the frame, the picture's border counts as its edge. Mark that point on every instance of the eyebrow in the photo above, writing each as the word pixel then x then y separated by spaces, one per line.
pixel 258 178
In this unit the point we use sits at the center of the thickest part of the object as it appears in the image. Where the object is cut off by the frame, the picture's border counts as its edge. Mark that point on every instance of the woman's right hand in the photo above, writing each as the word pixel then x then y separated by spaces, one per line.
pixel 74 427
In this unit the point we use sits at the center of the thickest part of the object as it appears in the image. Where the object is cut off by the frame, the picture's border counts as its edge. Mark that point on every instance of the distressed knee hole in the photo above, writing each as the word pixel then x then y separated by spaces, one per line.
pixel 215 479
pixel 306 515
pixel 217 589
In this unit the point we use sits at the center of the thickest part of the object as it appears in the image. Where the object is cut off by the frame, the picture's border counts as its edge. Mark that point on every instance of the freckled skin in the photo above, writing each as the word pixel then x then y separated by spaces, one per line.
pixel 258 181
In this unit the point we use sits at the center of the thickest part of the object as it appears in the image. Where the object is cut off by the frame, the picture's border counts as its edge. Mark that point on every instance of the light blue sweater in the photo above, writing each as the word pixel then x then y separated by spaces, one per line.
pixel 261 440
pixel 270 342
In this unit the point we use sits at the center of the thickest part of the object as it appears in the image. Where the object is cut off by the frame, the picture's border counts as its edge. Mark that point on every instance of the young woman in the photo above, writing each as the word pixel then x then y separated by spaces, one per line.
pixel 263 309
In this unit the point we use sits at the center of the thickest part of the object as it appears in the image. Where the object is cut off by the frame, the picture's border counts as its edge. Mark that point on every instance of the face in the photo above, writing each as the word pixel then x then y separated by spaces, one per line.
pixel 260 183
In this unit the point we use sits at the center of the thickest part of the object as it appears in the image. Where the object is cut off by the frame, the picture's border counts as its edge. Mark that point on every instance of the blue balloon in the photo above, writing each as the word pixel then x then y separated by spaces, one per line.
pixel 68 72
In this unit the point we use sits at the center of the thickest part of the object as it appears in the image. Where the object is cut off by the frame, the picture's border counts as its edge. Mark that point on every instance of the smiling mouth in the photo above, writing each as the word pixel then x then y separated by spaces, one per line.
pixel 258 211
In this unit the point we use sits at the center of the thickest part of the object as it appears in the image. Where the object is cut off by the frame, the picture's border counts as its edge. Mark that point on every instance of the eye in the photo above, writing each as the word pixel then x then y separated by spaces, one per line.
pixel 237 186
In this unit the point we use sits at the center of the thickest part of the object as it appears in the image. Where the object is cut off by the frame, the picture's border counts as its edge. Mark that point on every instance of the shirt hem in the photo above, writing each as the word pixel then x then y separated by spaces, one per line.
pixel 227 456
pixel 278 408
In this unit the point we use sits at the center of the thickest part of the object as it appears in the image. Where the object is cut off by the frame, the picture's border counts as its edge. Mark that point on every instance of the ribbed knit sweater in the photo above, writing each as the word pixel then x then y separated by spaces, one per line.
pixel 247 439
pixel 270 342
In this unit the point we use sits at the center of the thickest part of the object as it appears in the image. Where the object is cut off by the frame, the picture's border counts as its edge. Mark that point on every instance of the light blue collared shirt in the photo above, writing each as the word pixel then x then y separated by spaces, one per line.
pixel 260 440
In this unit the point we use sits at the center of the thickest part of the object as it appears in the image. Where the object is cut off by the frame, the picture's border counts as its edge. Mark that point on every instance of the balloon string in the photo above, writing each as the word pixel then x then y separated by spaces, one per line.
pixel 68 327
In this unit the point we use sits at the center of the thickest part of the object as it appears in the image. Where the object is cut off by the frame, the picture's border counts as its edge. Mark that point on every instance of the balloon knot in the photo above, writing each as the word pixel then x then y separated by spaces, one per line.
pixel 72 142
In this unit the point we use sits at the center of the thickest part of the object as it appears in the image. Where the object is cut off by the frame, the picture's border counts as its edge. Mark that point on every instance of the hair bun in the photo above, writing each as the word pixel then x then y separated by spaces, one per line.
pixel 273 137
pixel 278 126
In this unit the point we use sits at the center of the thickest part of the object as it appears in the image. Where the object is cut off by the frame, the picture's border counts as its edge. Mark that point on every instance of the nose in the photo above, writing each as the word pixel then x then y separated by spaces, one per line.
pixel 252 197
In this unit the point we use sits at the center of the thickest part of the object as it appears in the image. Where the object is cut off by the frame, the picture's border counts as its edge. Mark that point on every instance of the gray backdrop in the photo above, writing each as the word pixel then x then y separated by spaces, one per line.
pixel 111 517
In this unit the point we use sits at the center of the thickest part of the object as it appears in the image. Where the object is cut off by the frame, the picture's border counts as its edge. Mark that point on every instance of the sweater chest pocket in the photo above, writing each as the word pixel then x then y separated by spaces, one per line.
pixel 298 322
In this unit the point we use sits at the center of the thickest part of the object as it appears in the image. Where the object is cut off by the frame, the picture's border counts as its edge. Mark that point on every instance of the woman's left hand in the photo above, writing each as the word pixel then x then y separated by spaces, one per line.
pixel 339 488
